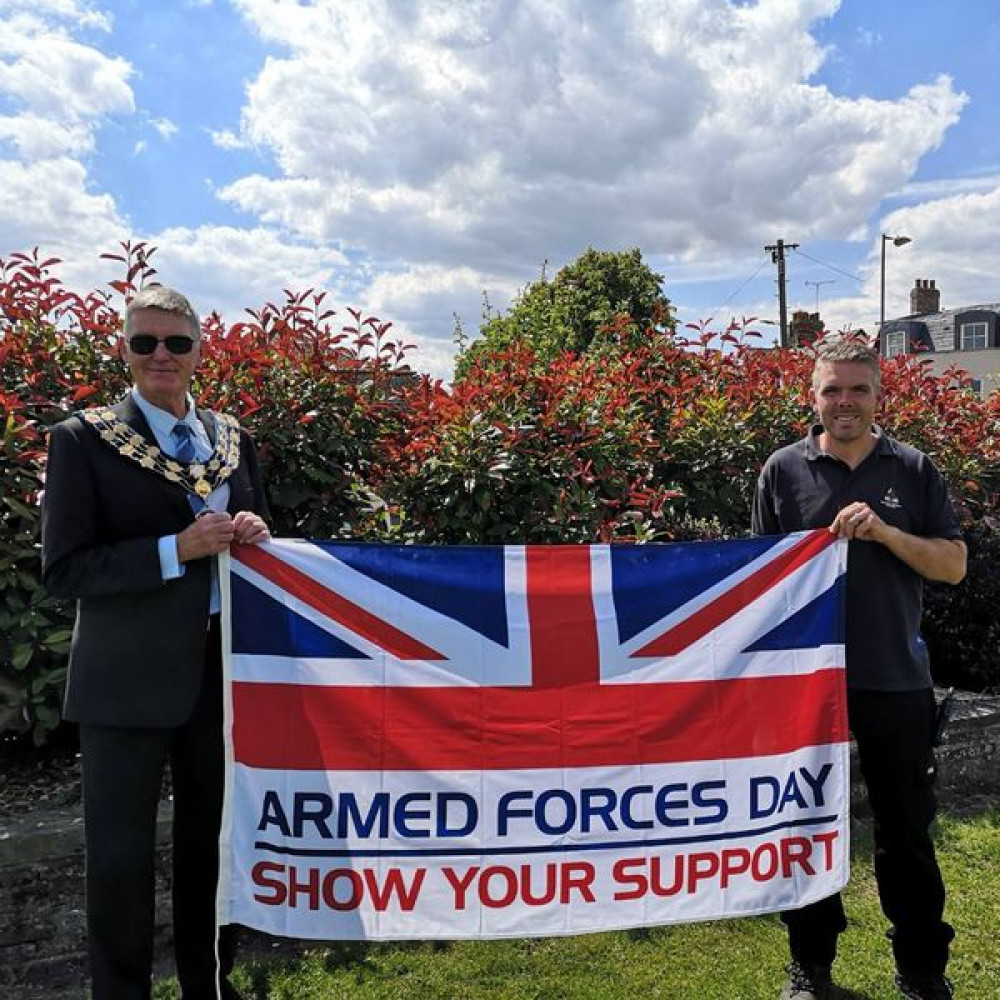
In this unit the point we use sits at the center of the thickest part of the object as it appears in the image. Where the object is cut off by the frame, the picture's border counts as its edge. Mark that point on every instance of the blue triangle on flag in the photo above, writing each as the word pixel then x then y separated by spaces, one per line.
pixel 652 581
pixel 263 626
pixel 463 582
pixel 819 623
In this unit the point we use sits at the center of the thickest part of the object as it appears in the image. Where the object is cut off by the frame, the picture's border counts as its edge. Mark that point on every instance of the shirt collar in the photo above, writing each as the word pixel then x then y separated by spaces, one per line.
pixel 160 421
pixel 884 444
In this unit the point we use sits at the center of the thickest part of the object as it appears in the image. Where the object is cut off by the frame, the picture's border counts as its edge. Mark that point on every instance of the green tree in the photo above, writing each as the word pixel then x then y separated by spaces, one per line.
pixel 603 297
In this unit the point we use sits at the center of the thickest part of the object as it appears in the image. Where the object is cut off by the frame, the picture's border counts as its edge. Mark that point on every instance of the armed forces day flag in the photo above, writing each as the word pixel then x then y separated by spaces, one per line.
pixel 448 742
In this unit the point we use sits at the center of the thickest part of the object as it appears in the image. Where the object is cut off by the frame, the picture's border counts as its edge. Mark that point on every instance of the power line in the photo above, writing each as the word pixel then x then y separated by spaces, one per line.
pixel 740 289
pixel 823 263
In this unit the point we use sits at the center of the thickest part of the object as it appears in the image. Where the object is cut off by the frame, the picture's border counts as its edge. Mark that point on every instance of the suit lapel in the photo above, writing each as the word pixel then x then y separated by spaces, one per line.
pixel 127 411
pixel 207 419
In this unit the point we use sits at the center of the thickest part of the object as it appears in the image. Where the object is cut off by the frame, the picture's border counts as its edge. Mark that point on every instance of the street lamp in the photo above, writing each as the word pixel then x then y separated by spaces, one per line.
pixel 897 241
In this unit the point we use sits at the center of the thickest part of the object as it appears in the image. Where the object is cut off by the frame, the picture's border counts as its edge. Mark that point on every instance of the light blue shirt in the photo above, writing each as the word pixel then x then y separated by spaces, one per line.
pixel 162 424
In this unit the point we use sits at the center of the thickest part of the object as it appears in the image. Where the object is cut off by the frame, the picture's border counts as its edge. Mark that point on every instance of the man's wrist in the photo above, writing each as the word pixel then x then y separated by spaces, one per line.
pixel 171 566
pixel 891 535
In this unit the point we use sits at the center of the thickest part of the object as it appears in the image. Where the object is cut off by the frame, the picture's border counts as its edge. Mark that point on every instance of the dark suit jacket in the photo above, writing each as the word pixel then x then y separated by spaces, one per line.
pixel 138 645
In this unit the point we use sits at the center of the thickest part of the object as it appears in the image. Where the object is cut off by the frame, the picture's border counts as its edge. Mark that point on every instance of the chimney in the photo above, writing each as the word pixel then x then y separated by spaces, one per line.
pixel 924 298
pixel 805 328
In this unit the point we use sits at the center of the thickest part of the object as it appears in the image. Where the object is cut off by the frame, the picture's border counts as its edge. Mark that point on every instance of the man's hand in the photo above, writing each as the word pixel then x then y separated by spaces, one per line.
pixel 941 559
pixel 858 520
pixel 249 529
pixel 209 535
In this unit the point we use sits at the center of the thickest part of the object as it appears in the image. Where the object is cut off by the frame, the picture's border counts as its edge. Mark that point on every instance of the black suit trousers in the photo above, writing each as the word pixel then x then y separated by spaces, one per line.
pixel 122 777
pixel 893 732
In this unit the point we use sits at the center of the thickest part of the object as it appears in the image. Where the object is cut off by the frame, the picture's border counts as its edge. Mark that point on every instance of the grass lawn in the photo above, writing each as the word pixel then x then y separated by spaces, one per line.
pixel 727 960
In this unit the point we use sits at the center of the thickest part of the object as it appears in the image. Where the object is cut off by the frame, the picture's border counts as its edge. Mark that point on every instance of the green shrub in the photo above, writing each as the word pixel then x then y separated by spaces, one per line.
pixel 961 624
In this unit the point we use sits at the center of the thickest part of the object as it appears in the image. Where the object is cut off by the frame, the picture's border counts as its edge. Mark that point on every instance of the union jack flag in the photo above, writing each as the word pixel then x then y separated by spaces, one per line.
pixel 603 663
pixel 580 655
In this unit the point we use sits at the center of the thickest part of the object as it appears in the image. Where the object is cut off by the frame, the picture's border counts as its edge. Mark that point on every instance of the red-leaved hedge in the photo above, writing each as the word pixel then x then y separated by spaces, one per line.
pixel 658 440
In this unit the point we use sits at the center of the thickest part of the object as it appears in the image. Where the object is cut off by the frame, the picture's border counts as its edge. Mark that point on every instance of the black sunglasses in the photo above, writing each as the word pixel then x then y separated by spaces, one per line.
pixel 145 343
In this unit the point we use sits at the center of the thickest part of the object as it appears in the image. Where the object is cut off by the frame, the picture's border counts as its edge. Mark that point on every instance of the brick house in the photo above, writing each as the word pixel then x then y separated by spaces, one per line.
pixel 967 337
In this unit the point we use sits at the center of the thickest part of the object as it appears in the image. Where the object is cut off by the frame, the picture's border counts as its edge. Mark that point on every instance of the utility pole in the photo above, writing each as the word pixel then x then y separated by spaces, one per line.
pixel 777 253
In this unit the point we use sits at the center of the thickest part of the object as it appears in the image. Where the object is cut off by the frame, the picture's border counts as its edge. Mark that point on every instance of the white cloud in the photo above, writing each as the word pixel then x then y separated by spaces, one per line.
pixel 503 133
pixel 422 302
pixel 165 127
pixel 482 138
pixel 82 15
pixel 35 137
pixel 48 73
pixel 65 91
pixel 232 269
pixel 868 38
pixel 62 90
pixel 226 139
pixel 954 243
pixel 945 187
pixel 47 204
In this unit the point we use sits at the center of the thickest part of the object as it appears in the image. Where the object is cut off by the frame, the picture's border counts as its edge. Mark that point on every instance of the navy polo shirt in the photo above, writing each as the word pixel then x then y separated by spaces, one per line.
pixel 802 487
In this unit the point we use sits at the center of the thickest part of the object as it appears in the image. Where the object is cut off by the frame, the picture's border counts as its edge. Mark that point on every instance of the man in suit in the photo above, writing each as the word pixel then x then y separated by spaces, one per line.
pixel 140 498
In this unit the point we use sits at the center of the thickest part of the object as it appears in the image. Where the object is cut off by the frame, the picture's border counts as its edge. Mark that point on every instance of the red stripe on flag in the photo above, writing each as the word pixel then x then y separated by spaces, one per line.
pixel 564 648
pixel 698 625
pixel 438 729
pixel 331 604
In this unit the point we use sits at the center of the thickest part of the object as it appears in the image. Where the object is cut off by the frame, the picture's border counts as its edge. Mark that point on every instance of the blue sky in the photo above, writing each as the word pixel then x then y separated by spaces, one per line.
pixel 409 155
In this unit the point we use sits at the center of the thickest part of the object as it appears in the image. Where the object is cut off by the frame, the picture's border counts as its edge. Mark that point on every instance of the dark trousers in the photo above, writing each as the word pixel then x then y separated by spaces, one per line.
pixel 893 732
pixel 122 775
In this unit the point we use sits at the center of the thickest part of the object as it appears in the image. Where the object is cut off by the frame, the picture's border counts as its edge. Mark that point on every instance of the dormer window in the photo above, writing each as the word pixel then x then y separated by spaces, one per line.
pixel 894 343
pixel 973 337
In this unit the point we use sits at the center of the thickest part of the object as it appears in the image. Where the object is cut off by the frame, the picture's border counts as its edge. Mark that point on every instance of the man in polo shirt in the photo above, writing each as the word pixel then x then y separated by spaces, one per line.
pixel 893 506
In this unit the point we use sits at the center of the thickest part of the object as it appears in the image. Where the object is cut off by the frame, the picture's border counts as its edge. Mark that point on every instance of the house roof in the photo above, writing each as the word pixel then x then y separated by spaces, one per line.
pixel 940 326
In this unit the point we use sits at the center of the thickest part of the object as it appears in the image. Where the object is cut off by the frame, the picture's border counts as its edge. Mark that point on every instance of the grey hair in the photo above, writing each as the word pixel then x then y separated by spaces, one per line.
pixel 167 300
pixel 847 348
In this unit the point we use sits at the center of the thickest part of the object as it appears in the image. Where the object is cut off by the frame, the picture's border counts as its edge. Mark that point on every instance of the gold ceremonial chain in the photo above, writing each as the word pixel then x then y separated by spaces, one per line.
pixel 200 478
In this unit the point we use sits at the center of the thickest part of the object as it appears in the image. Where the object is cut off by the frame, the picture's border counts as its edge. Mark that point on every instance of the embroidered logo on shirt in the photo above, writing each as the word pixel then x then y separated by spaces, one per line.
pixel 890 499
